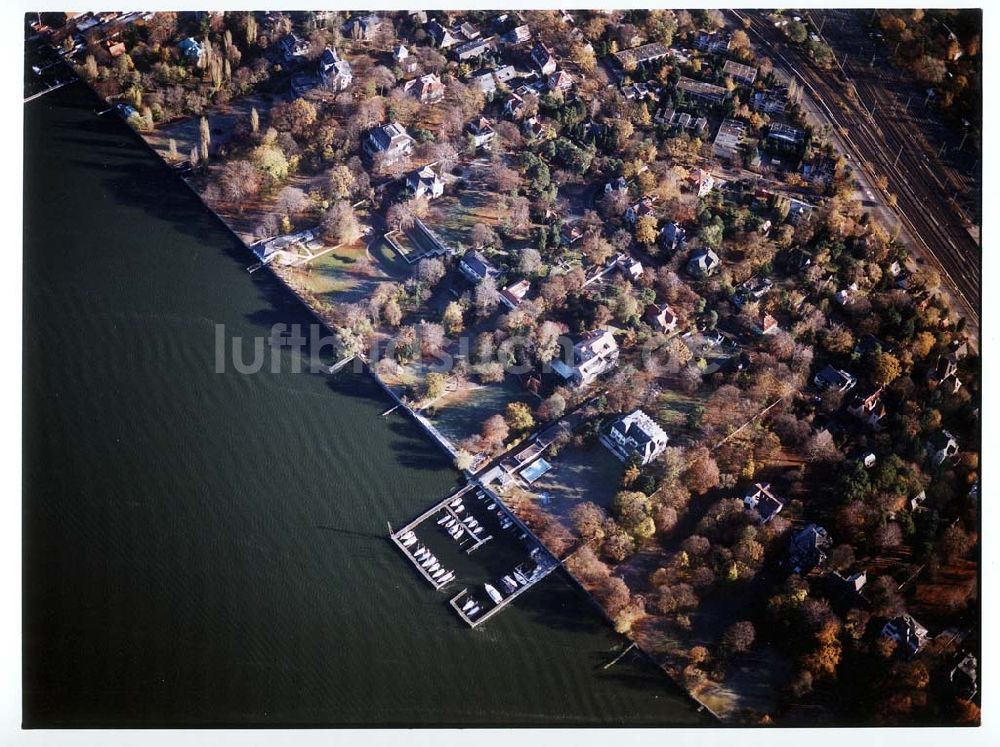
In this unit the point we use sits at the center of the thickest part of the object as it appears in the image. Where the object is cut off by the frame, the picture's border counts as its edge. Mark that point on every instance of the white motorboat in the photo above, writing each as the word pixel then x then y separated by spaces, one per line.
pixel 520 577
pixel 469 604
pixel 473 612
pixel 408 542
pixel 446 577
pixel 494 594
pixel 491 506
pixel 456 502
pixel 452 521
pixel 509 582
pixel 438 573
pixel 434 567
pixel 443 519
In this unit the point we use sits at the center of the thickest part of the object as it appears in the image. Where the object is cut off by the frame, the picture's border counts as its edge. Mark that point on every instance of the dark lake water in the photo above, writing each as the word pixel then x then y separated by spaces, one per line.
pixel 204 548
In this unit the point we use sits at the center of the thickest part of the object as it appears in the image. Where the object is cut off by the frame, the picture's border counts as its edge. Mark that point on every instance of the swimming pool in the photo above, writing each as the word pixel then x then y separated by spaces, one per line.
pixel 535 470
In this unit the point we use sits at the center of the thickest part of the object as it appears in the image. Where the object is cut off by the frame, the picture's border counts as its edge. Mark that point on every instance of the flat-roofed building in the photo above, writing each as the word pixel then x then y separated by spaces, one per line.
pixel 699 90
pixel 740 73
pixel 729 138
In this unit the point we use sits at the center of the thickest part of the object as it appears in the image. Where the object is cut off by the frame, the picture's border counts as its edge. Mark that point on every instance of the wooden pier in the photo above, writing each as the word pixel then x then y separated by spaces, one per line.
pixel 396 536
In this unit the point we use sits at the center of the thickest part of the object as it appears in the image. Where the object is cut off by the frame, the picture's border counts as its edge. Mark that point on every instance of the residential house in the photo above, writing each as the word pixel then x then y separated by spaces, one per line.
pixel 425 183
pixel 765 324
pixel 807 548
pixel 560 81
pixel 698 90
pixel 482 132
pixel 391 140
pixel 753 289
pixel 292 47
pixel 475 267
pixel 335 72
pixel 834 378
pixel 427 88
pixel 785 137
pixel 364 27
pixel 964 677
pixel 629 266
pixel 570 233
pixel 729 138
pixel 702 181
pixel 716 43
pixel 628 59
pixel 592 355
pixel 672 236
pixel 469 30
pixel 618 185
pixel 517 35
pixel 669 117
pixel 771 101
pixel 868 344
pixel 760 500
pixel 513 294
pixel 639 209
pixel 190 49
pixel 740 73
pixel 484 81
pixel 442 37
pixel 906 631
pixel 285 249
pixel 474 49
pixel 400 53
pixel 945 370
pixel 868 407
pixel 513 105
pixel 703 263
pixel 661 317
pixel 114 47
pixel 635 436
pixel 543 59
pixel 942 447
pixel 505 73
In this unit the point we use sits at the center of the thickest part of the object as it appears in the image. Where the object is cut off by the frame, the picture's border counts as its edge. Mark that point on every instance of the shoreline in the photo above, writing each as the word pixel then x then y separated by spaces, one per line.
pixel 440 440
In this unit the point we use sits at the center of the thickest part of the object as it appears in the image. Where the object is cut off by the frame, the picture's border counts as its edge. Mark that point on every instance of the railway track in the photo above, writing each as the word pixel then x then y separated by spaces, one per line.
pixel 883 145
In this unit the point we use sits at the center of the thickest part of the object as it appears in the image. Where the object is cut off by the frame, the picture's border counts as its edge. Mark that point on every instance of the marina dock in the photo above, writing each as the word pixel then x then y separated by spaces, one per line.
pixel 471 516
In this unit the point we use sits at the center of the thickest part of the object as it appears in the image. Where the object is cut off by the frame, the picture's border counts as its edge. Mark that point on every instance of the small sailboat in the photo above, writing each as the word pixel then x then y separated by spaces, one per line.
pixel 456 502
pixel 473 612
pixel 469 604
pixel 446 577
pixel 408 542
pixel 491 506
pixel 443 519
pixel 451 522
pixel 434 567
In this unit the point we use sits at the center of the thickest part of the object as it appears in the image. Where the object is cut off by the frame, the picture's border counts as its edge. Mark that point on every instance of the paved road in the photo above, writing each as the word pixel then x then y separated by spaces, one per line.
pixel 881 143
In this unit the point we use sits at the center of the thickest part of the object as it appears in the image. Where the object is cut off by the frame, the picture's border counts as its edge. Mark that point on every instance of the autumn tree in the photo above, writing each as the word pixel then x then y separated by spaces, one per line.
pixel 518 416
pixel 739 636
pixel 340 225
pixel 702 473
